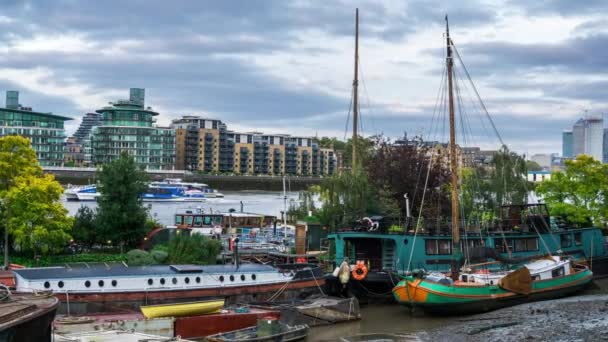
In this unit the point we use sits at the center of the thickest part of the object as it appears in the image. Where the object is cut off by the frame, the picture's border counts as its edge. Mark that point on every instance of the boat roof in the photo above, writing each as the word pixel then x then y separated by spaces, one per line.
pixel 219 213
pixel 103 271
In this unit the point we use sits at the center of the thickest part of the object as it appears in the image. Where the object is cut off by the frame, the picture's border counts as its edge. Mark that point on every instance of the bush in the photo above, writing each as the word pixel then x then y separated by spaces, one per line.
pixel 159 256
pixel 193 249
pixel 137 257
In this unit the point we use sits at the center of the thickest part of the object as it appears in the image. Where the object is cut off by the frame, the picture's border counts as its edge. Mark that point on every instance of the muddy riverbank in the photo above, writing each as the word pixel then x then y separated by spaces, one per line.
pixel 582 318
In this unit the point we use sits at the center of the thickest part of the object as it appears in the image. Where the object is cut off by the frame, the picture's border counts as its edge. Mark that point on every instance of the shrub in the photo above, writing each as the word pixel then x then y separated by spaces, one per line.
pixel 137 257
pixel 193 249
pixel 159 256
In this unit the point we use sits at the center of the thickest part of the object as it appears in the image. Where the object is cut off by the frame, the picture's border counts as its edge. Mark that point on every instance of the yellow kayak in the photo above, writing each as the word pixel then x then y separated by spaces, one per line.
pixel 182 309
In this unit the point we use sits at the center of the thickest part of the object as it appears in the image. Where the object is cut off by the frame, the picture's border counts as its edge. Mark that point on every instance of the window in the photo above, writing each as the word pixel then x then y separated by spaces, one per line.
pixel 178 219
pixel 189 220
pixel 566 240
pixel 438 247
pixel 524 245
pixel 198 221
pixel 558 272
pixel 578 239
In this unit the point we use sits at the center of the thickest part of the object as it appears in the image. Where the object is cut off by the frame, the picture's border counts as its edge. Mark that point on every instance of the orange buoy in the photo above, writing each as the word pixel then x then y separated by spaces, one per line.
pixel 360 271
pixel 301 260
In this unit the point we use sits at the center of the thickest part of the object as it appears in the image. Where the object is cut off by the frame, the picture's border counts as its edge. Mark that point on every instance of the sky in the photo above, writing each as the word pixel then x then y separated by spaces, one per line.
pixel 287 66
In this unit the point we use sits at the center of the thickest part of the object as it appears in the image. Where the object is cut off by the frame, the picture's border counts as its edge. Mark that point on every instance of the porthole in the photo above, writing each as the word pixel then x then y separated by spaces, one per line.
pixel 100 283
pixel 47 284
pixel 60 284
pixel 491 282
pixel 162 281
pixel 242 277
pixel 253 277
pixel 87 283
pixel 187 280
pixel 150 281
pixel 198 280
pixel 114 282
pixel 405 241
pixel 231 278
pixel 174 281
pixel 222 279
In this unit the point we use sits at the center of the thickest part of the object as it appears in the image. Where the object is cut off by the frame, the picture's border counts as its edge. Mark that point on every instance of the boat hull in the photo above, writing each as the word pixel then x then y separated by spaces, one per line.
pixel 30 324
pixel 182 309
pixel 441 299
pixel 375 288
pixel 117 301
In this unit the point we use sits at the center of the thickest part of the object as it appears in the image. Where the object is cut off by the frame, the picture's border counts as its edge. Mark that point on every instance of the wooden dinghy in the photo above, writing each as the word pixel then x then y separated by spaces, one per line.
pixel 265 330
pixel 183 309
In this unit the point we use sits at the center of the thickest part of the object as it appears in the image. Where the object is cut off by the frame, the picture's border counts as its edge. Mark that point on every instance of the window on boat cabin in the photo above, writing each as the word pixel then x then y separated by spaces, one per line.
pixel 438 247
pixel 578 238
pixel 504 245
pixel 179 219
pixel 207 220
pixel 566 240
pixel 189 220
pixel 198 221
pixel 525 244
pixel 558 272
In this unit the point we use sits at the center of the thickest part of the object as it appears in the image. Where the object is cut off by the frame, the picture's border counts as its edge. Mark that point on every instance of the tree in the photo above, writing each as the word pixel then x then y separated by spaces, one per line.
pixel 485 188
pixel 579 194
pixel 531 165
pixel 85 229
pixel 396 170
pixel 29 201
pixel 38 221
pixel 121 216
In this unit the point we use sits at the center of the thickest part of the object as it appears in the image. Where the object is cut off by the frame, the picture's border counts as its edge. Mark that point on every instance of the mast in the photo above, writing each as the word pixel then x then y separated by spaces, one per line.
pixel 356 90
pixel 453 165
pixel 284 210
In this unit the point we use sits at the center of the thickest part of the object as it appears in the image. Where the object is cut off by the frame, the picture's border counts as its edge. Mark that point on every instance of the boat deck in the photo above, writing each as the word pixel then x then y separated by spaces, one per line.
pixel 19 309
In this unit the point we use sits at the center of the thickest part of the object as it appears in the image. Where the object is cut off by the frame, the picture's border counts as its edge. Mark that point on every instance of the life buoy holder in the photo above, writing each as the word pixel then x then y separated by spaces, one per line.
pixel 360 271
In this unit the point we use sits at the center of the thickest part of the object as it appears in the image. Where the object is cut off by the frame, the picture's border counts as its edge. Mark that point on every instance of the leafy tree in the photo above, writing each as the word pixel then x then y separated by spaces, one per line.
pixel 395 170
pixel 531 165
pixel 30 203
pixel 579 194
pixel 85 228
pixel 38 221
pixel 485 188
pixel 346 197
pixel 193 249
pixel 121 217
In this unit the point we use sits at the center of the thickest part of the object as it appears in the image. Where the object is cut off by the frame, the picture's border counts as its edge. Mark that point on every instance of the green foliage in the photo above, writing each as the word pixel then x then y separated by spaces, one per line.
pixel 85 230
pixel 533 166
pixel 579 193
pixel 159 256
pixel 121 216
pixel 50 260
pixel 30 201
pixel 484 189
pixel 138 257
pixel 346 197
pixel 193 249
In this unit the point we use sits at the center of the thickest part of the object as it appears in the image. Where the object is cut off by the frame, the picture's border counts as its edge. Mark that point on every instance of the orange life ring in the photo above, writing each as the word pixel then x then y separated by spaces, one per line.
pixel 360 271
pixel 301 260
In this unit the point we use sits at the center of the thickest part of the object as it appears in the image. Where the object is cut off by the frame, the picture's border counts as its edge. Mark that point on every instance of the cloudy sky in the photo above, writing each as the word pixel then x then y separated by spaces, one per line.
pixel 286 66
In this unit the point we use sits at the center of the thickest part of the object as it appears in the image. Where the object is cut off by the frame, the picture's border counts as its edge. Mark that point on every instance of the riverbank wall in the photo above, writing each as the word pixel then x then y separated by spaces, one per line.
pixel 82 176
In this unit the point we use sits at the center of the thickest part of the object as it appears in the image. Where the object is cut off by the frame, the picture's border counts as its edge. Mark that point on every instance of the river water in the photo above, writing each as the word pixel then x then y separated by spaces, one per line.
pixel 259 202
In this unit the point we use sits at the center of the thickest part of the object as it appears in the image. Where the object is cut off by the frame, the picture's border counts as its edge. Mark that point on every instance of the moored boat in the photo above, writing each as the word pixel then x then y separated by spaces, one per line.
pixel 543 279
pixel 266 330
pixel 25 318
pixel 182 309
pixel 99 289
pixel 196 326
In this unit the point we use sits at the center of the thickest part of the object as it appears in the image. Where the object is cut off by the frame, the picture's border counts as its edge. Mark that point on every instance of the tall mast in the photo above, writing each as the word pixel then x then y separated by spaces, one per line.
pixel 453 164
pixel 355 90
